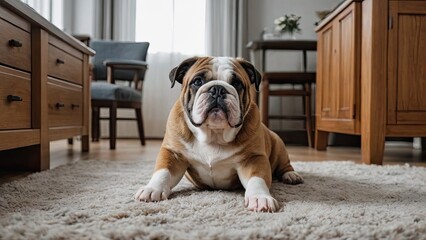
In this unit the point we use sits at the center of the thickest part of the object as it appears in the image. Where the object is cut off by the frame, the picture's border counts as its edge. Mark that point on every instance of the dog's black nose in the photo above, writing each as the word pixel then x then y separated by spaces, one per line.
pixel 217 91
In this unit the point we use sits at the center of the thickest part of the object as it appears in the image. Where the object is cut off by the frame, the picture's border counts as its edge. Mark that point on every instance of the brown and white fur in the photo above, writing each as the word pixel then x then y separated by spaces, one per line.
pixel 215 137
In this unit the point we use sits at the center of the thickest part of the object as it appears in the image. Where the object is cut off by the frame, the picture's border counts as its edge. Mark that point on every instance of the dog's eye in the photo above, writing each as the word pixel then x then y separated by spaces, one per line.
pixel 237 84
pixel 197 81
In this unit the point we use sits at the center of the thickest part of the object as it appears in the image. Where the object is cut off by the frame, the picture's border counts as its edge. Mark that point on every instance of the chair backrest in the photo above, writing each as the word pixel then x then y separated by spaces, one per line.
pixel 115 50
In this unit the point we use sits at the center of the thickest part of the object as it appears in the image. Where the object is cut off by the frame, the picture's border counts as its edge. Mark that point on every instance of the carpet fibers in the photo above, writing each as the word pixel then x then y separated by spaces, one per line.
pixel 94 200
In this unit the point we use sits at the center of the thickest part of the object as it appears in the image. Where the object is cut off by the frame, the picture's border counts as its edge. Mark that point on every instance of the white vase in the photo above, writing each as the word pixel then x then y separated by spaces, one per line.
pixel 288 35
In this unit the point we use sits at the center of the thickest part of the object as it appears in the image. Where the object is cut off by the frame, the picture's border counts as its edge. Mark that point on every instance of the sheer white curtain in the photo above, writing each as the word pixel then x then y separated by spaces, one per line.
pixel 114 19
pixel 226 28
pixel 99 19
pixel 52 10
pixel 176 31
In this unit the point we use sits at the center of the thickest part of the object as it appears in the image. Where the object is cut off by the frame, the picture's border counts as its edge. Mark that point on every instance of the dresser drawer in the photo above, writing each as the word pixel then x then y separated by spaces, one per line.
pixel 64 103
pixel 15 46
pixel 64 65
pixel 15 99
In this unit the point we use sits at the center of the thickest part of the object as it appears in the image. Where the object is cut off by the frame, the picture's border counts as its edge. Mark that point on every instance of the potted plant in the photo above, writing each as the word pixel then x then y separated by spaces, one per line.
pixel 288 24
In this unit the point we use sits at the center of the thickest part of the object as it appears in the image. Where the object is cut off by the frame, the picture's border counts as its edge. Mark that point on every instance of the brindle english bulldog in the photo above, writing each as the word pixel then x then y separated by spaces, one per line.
pixel 215 137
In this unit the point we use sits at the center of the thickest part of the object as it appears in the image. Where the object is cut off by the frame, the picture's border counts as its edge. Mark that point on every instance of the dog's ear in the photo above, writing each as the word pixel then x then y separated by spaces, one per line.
pixel 177 73
pixel 254 75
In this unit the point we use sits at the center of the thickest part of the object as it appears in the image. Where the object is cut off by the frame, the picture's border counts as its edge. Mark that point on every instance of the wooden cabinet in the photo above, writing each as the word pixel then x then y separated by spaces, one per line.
pixel 44 88
pixel 371 76
pixel 338 72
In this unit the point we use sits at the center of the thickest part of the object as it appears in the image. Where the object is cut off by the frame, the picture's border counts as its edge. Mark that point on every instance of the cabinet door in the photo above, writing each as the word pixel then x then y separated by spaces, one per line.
pixel 338 71
pixel 347 66
pixel 407 63
pixel 326 84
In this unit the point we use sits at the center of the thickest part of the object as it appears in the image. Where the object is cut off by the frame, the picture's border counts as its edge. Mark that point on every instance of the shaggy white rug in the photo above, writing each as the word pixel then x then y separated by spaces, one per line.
pixel 94 200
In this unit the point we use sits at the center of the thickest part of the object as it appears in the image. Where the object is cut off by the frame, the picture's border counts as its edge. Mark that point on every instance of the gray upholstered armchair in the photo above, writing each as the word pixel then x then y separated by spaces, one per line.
pixel 118 72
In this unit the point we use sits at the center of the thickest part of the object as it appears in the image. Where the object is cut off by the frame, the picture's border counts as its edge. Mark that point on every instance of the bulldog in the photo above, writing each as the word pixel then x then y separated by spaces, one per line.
pixel 215 138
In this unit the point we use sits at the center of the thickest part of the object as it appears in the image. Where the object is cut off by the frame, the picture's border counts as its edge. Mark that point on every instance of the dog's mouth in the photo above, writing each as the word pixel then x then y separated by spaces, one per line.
pixel 217 115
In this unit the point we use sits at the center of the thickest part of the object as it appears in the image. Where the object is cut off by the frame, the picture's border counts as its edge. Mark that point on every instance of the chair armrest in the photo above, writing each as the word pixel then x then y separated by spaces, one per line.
pixel 126 64
pixel 137 66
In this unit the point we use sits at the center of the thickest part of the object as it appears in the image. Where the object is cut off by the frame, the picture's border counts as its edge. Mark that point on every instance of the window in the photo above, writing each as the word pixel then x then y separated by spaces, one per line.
pixel 172 25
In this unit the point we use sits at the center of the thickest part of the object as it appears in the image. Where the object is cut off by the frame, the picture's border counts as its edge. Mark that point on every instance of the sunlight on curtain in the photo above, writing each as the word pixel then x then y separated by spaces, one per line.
pixel 176 31
pixel 172 25
pixel 52 10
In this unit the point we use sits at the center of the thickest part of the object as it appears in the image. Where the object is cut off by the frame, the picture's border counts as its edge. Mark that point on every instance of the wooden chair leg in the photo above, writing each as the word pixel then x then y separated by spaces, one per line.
pixel 264 110
pixel 305 88
pixel 98 125
pixel 308 115
pixel 139 119
pixel 112 125
pixel 95 124
pixel 92 129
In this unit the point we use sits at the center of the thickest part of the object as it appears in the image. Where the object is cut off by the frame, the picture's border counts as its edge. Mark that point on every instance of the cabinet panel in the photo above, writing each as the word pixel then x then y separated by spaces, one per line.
pixel 325 58
pixel 407 61
pixel 412 62
pixel 346 78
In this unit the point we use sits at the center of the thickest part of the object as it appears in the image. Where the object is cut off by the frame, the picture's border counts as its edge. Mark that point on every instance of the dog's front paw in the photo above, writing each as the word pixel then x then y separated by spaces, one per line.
pixel 157 189
pixel 261 203
pixel 150 194
pixel 292 177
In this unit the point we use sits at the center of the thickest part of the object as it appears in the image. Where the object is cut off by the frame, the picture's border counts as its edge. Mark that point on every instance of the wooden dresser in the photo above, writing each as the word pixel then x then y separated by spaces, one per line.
pixel 371 77
pixel 44 88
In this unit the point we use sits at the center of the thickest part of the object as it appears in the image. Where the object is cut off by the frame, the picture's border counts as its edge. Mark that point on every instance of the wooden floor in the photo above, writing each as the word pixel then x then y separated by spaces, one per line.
pixel 62 153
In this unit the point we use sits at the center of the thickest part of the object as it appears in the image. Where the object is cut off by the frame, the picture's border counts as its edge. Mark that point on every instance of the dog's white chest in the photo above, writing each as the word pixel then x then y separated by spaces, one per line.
pixel 214 164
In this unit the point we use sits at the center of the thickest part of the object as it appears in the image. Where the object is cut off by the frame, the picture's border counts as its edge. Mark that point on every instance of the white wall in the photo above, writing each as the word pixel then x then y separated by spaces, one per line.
pixel 262 13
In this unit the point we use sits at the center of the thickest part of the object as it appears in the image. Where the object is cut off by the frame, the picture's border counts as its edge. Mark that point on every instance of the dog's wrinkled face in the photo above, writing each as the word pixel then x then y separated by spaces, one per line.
pixel 215 91
pixel 216 103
